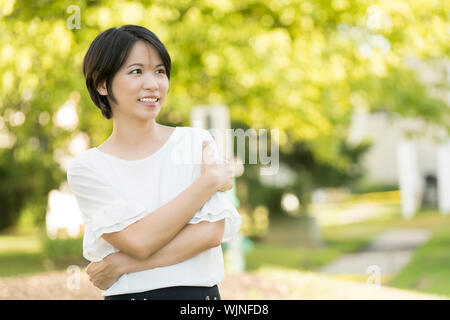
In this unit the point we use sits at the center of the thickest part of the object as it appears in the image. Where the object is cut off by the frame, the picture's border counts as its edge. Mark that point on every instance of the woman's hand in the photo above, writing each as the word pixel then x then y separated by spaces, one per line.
pixel 220 170
pixel 104 273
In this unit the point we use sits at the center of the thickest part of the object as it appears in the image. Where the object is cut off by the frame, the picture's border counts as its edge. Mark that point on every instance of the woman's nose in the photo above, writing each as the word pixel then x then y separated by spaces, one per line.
pixel 150 82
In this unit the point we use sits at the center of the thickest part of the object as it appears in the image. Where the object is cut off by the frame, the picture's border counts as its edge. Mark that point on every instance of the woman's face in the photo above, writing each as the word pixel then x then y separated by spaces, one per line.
pixel 143 75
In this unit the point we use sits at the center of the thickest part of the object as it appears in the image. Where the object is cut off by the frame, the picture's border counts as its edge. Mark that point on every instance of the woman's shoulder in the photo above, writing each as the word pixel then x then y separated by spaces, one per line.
pixel 85 159
pixel 193 132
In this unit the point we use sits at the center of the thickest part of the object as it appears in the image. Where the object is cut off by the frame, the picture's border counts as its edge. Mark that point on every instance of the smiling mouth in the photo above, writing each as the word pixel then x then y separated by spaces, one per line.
pixel 149 100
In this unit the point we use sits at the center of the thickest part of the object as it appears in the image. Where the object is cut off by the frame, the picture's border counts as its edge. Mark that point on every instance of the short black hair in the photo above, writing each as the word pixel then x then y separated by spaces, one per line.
pixel 106 55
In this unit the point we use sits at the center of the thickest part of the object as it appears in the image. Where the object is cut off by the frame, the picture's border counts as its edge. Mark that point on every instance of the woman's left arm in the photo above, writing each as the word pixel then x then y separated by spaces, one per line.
pixel 190 241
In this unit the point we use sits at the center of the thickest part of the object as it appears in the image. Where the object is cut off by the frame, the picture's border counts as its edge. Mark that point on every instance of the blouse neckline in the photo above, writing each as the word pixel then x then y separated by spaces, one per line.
pixel 145 158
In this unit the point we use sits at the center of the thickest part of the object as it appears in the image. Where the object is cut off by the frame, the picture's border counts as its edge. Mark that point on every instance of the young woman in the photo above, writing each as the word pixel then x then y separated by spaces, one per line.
pixel 152 196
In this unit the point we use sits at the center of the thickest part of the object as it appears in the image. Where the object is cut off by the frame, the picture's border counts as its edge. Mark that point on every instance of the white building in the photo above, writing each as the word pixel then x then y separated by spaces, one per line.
pixel 409 152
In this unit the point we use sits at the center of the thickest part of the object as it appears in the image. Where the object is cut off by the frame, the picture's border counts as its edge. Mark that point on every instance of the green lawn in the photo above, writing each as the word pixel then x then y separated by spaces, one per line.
pixel 31 253
pixel 22 263
pixel 294 255
pixel 429 269
pixel 20 254
pixel 284 245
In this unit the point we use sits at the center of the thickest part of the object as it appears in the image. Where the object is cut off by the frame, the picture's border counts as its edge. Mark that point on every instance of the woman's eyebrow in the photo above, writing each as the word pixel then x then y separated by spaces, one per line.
pixel 135 64
pixel 141 65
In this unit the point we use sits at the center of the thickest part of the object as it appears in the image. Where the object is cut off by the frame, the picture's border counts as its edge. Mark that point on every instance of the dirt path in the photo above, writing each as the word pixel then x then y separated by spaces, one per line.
pixel 64 285
pixel 265 284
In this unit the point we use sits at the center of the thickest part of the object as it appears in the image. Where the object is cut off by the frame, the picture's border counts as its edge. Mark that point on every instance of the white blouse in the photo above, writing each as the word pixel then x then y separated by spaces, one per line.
pixel 113 193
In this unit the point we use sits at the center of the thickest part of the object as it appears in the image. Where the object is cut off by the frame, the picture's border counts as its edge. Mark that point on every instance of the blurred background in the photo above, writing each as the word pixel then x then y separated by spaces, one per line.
pixel 357 91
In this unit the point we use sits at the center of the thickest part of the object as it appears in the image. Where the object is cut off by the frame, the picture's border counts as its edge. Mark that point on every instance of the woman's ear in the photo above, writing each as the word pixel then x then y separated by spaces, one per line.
pixel 102 89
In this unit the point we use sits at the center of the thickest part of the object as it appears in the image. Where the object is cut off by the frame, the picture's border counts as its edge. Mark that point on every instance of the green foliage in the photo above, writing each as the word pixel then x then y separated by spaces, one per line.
pixel 366 187
pixel 299 66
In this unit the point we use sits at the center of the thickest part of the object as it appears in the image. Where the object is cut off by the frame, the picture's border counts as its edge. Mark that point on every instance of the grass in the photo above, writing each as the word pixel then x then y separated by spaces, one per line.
pixel 26 244
pixel 22 254
pixel 285 245
pixel 17 264
pixel 429 269
pixel 294 284
pixel 297 256
pixel 288 257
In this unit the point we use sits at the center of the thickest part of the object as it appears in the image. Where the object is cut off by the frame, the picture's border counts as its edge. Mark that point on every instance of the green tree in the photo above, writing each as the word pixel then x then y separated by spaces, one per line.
pixel 299 66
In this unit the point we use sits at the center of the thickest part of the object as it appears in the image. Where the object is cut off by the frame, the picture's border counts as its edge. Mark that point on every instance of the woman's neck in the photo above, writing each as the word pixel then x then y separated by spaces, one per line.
pixel 135 136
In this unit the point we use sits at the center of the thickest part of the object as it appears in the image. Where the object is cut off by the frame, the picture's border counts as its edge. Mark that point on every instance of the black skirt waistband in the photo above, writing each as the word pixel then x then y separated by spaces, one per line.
pixel 172 293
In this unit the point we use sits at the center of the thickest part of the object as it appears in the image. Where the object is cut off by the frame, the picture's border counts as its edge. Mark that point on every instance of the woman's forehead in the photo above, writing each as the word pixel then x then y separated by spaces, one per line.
pixel 144 53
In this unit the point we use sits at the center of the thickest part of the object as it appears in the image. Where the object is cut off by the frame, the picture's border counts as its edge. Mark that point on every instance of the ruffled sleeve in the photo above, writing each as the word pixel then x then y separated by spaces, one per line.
pixel 104 209
pixel 219 206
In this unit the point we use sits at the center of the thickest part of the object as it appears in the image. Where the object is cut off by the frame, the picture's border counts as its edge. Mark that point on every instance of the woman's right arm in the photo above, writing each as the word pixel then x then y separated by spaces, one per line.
pixel 146 236
pixel 192 240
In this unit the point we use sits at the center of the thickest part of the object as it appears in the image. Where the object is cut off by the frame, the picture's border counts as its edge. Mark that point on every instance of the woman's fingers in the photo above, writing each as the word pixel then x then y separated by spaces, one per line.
pixel 207 152
pixel 230 167
pixel 222 168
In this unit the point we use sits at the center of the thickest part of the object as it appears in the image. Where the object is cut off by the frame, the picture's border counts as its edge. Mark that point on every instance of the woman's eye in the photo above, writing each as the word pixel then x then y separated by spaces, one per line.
pixel 160 71
pixel 133 72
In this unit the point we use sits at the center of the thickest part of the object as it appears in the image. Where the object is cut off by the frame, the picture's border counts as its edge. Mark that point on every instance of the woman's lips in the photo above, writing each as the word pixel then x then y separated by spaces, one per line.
pixel 149 104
